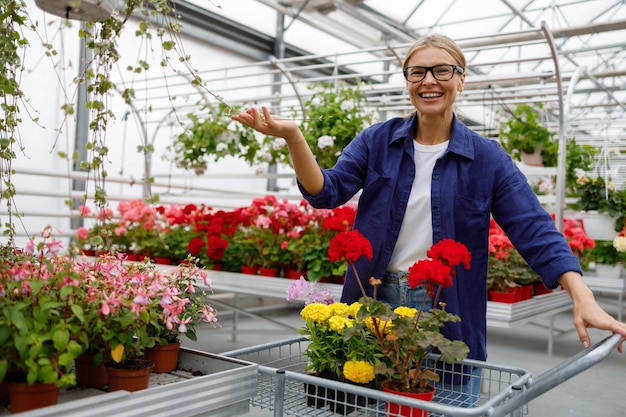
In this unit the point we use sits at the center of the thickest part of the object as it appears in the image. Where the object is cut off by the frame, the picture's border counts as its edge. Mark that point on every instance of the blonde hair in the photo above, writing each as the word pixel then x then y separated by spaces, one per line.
pixel 439 41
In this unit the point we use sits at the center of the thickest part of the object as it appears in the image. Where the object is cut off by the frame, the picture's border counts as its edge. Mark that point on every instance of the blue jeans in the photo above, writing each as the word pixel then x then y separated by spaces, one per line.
pixel 395 291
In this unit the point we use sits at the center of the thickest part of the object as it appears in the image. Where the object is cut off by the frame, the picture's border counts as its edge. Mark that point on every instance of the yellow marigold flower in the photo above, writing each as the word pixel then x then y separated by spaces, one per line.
pixel 339 309
pixel 338 323
pixel 382 325
pixel 403 311
pixel 354 309
pixel 360 372
pixel 316 312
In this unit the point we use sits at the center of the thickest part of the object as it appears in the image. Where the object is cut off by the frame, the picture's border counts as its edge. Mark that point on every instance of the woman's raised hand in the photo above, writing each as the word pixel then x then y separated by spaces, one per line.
pixel 268 124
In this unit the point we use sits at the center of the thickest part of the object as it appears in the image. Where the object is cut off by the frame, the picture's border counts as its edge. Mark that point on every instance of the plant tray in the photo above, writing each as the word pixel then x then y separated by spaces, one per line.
pixel 286 387
pixel 203 384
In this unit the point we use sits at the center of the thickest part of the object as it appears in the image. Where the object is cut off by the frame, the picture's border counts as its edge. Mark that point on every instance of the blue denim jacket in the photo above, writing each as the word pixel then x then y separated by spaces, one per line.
pixel 474 180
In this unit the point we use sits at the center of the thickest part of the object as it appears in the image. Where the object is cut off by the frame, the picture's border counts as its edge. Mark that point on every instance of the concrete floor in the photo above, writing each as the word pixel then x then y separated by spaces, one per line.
pixel 599 391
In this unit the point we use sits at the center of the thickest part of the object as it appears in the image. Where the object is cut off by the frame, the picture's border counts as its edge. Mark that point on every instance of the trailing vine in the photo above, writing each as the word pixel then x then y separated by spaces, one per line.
pixel 13 22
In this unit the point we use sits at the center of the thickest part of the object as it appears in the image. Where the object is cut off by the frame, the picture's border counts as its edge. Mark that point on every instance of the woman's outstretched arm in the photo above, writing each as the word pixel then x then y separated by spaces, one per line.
pixel 307 170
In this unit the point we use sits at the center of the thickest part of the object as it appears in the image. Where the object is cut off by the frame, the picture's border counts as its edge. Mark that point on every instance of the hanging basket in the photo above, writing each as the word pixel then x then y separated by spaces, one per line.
pixel 598 226
pixel 87 10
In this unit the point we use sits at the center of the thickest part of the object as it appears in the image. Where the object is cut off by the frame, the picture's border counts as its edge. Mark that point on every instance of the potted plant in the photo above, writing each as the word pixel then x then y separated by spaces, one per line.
pixel 602 207
pixel 212 135
pixel 132 306
pixel 333 116
pixel 392 343
pixel 507 270
pixel 42 327
pixel 608 259
pixel 523 134
pixel 181 306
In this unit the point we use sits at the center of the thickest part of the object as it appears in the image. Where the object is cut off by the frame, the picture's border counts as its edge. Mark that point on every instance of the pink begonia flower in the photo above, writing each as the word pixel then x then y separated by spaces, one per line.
pixel 82 233
pixel 120 230
pixel 84 210
pixel 208 314
pixel 263 222
pixel 303 290
pixel 142 298
pixel 105 308
pixel 29 248
pixel 54 247
pixel 298 290
pixel 182 327
pixel 104 214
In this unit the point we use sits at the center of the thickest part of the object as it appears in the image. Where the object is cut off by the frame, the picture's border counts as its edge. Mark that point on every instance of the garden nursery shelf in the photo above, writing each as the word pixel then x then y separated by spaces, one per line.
pixel 203 384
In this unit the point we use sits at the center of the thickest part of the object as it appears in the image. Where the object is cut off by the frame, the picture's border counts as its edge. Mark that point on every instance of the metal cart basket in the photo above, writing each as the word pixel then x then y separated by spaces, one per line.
pixel 288 390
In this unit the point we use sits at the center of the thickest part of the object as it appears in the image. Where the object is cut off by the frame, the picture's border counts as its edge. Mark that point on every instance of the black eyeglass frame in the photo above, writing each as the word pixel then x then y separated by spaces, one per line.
pixel 432 71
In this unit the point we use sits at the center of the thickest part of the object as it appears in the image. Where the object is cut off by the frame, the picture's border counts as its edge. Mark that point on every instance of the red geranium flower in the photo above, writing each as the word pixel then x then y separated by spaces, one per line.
pixel 429 270
pixel 195 245
pixel 445 256
pixel 349 246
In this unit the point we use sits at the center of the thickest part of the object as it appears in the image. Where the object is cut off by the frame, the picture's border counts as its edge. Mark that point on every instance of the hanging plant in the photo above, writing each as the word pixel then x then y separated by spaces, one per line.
pixel 12 41
pixel 523 132
pixel 212 135
pixel 333 116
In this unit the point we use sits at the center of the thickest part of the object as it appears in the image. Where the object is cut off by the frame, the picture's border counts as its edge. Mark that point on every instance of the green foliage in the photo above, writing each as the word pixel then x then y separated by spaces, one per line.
pixel 600 194
pixel 523 132
pixel 42 325
pixel 405 336
pixel 337 112
pixel 212 135
pixel 509 272
pixel 13 24
pixel 334 113
pixel 605 252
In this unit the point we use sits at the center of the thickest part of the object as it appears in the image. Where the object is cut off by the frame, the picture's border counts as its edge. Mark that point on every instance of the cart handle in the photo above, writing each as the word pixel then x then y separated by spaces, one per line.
pixel 574 365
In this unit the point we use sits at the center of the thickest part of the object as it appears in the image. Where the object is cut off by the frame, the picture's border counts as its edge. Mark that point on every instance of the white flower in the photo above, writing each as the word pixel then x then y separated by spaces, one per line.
pixel 261 170
pixel 221 147
pixel 385 100
pixel 347 105
pixel 278 144
pixel 579 173
pixel 619 243
pixel 325 141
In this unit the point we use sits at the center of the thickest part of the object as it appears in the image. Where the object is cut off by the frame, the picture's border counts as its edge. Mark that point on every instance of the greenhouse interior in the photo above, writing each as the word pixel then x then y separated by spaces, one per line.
pixel 138 210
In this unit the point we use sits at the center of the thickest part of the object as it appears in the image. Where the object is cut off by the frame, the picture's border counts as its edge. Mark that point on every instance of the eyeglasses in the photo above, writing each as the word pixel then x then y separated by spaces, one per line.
pixel 442 72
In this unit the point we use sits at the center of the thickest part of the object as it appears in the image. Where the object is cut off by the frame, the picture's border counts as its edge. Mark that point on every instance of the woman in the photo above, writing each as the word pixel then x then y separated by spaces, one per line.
pixel 426 177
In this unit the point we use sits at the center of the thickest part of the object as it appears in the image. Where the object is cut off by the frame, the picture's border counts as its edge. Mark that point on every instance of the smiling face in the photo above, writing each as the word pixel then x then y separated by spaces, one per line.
pixel 431 97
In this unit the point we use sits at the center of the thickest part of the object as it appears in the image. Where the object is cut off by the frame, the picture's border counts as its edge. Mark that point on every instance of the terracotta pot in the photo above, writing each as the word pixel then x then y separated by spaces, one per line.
pixel 250 270
pixel 88 374
pixel 4 384
pixel 24 397
pixel 403 410
pixel 268 272
pixel 134 377
pixel 165 358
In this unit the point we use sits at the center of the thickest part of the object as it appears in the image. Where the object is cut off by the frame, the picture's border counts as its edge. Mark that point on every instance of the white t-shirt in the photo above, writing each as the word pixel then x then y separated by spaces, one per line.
pixel 416 232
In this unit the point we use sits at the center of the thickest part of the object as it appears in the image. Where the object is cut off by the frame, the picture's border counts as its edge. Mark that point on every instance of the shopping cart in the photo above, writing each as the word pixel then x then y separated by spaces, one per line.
pixel 287 389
